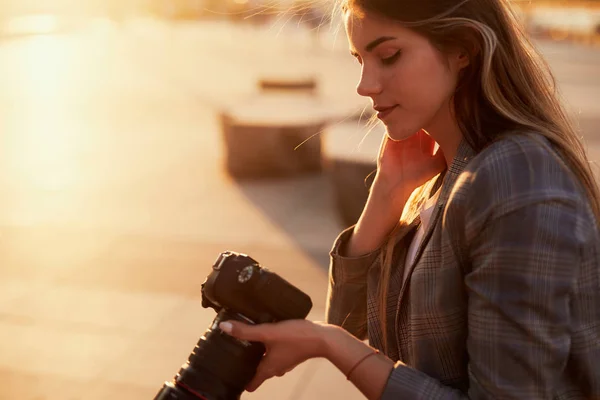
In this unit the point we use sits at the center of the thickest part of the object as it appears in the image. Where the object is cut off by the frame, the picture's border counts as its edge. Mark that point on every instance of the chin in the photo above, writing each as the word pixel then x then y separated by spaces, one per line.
pixel 399 133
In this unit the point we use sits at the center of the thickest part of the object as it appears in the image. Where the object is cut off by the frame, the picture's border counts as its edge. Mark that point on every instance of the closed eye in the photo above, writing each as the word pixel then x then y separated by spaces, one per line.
pixel 392 59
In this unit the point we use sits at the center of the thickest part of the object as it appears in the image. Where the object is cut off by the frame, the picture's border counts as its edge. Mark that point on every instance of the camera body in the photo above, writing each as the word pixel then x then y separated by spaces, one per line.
pixel 238 283
pixel 220 366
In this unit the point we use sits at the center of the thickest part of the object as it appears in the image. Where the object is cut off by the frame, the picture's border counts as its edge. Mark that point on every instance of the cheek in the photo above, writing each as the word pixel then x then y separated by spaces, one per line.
pixel 428 83
pixel 440 76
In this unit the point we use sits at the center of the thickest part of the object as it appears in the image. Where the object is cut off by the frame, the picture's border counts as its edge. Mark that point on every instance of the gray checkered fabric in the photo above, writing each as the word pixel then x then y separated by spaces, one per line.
pixel 503 298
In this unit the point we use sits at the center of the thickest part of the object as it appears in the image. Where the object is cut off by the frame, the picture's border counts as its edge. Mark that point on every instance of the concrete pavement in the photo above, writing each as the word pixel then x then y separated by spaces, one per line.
pixel 115 209
pixel 115 205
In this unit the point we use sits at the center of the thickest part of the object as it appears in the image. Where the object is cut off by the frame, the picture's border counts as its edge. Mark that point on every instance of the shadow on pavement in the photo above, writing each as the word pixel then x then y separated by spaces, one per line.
pixel 302 207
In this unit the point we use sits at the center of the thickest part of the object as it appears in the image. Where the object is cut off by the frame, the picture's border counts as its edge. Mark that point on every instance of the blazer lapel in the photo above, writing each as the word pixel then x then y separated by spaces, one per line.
pixel 463 155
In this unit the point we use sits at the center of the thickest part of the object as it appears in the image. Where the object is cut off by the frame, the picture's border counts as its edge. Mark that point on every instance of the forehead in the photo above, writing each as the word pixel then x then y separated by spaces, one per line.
pixel 362 28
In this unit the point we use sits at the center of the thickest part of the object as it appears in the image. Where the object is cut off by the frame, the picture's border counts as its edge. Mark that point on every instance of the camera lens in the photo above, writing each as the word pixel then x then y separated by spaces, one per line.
pixel 170 391
pixel 220 366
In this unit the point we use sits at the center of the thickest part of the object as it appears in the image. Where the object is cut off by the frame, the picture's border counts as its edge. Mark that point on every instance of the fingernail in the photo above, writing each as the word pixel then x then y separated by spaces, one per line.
pixel 226 327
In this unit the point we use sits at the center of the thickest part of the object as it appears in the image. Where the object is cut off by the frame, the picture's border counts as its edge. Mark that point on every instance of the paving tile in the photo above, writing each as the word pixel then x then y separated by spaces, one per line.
pixel 37 349
pixel 17 385
pixel 94 310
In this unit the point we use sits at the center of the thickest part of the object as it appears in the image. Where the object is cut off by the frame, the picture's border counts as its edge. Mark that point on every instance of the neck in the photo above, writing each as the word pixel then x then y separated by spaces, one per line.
pixel 445 131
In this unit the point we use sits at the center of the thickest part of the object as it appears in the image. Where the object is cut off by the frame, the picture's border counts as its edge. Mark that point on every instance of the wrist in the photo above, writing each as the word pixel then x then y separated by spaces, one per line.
pixel 330 335
pixel 392 196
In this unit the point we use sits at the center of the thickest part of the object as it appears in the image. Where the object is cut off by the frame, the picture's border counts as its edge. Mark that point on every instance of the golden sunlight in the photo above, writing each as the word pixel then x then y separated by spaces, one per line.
pixel 41 155
pixel 32 25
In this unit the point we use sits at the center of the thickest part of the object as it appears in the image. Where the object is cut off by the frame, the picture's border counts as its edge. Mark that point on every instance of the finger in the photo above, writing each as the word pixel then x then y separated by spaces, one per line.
pixel 286 371
pixel 384 142
pixel 411 143
pixel 270 366
pixel 262 374
pixel 255 383
pixel 426 143
pixel 395 146
pixel 240 330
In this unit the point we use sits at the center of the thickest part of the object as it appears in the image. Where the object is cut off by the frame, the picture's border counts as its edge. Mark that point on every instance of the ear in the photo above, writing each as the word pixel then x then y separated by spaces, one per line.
pixel 461 59
pixel 465 50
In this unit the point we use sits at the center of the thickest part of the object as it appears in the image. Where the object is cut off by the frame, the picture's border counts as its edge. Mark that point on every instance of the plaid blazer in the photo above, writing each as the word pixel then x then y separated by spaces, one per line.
pixel 503 298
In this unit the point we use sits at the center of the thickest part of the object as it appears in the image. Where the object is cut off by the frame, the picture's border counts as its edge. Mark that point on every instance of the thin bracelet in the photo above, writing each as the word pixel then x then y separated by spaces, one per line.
pixel 359 362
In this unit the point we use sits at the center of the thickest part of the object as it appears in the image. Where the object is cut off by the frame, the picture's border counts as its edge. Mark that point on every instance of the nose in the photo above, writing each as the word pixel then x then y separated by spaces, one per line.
pixel 369 84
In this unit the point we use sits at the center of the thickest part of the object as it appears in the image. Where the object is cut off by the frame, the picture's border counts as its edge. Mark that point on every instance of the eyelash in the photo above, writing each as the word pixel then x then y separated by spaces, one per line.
pixel 392 59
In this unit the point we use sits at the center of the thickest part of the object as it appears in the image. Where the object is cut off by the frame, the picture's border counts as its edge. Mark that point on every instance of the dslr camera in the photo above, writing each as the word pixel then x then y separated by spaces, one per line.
pixel 221 366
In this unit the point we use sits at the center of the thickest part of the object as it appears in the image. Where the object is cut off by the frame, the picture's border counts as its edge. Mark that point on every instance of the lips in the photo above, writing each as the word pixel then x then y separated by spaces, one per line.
pixel 383 112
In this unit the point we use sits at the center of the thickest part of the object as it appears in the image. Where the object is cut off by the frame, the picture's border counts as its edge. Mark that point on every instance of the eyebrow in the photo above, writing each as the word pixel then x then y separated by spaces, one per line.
pixel 371 46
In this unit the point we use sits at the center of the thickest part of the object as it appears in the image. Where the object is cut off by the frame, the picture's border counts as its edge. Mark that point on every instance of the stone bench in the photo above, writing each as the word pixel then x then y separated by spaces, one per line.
pixel 349 156
pixel 273 134
pixel 290 85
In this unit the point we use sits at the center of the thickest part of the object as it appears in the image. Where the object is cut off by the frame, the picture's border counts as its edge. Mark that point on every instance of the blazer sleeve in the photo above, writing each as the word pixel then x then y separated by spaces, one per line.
pixel 518 219
pixel 347 292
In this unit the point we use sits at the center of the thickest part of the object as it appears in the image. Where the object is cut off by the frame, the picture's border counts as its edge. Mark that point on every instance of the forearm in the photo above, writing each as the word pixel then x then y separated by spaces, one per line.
pixel 379 217
pixel 344 351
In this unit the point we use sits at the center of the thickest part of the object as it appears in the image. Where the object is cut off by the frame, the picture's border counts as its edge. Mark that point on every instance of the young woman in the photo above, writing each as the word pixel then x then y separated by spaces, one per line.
pixel 474 270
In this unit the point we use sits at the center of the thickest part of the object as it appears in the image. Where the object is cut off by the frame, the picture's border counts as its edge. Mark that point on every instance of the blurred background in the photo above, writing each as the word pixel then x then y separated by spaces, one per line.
pixel 140 138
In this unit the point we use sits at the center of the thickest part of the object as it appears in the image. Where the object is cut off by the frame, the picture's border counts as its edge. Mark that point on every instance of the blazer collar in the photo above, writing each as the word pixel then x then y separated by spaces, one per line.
pixel 464 154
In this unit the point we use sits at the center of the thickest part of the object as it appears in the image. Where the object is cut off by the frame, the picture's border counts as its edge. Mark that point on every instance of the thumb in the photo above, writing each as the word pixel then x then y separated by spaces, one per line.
pixel 240 330
pixel 262 374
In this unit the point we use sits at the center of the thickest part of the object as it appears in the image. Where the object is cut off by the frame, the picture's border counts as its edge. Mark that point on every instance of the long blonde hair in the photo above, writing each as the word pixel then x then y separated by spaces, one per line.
pixel 508 87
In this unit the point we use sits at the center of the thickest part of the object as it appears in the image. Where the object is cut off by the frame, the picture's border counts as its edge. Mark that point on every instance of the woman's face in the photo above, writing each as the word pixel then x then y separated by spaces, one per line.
pixel 409 81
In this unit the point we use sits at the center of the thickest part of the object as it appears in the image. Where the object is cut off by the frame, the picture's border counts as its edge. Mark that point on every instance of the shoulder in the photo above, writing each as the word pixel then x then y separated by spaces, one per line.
pixel 519 171
pixel 521 167
pixel 520 155
pixel 519 184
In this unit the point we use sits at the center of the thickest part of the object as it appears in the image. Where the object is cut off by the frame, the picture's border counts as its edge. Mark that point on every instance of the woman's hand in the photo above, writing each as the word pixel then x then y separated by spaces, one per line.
pixel 404 165
pixel 288 344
